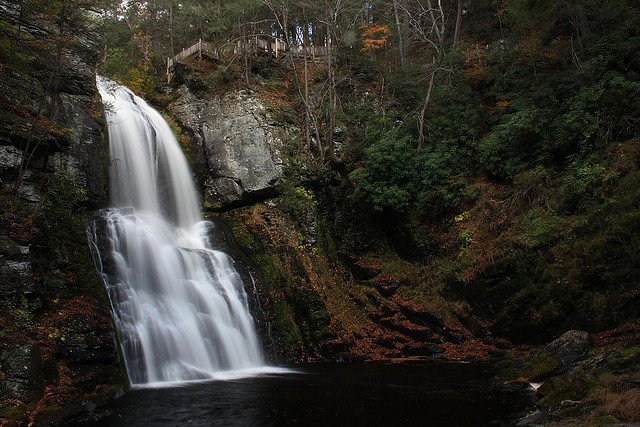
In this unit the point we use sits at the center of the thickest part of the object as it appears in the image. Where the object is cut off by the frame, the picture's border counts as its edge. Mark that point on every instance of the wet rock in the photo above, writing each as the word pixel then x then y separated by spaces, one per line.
pixel 240 148
pixel 15 269
pixel 84 343
pixel 536 418
pixel 423 349
pixel 22 369
pixel 571 347
pixel 85 159
pixel 10 157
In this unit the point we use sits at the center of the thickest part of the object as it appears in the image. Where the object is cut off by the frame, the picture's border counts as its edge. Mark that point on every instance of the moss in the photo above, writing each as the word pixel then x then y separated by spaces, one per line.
pixel 16 413
pixel 629 359
pixel 183 139
pixel 541 366
pixel 289 275
pixel 287 333
pixel 285 329
pixel 212 207
pixel 242 236
pixel 51 410
pixel 571 386
pixel 105 394
pixel 72 272
pixel 604 420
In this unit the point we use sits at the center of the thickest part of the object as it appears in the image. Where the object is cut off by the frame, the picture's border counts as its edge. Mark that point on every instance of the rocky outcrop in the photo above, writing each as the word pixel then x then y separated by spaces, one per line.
pixel 239 148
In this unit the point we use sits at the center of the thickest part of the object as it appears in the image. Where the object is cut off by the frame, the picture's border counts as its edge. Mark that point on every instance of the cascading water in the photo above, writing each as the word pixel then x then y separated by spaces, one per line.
pixel 179 306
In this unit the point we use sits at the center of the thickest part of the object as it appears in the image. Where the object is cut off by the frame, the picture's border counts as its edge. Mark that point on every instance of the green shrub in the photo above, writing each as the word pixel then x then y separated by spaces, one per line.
pixel 297 201
pixel 504 151
pixel 390 175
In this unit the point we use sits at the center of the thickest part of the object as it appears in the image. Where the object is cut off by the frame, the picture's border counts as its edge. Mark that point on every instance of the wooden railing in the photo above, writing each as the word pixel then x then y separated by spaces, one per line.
pixel 200 48
pixel 310 51
pixel 276 48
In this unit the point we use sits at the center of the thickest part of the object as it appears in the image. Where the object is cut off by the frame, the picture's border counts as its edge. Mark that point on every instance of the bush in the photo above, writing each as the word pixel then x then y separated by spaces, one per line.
pixel 390 176
pixel 503 153
pixel 398 177
pixel 297 201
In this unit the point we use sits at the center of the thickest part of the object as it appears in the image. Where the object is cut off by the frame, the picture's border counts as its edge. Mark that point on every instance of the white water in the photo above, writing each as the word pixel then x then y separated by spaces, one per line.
pixel 179 306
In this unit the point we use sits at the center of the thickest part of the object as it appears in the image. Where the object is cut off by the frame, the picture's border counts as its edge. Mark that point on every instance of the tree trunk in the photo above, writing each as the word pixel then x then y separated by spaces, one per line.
pixel 436 28
pixel 171 46
pixel 421 119
pixel 307 133
pixel 332 91
pixel 579 21
pixel 456 34
pixel 401 45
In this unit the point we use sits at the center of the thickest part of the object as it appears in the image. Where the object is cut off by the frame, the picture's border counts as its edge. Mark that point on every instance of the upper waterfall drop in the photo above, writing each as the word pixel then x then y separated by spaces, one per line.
pixel 179 306
pixel 149 170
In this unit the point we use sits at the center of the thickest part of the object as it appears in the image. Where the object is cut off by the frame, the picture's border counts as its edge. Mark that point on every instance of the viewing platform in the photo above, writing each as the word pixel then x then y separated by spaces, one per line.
pixel 272 46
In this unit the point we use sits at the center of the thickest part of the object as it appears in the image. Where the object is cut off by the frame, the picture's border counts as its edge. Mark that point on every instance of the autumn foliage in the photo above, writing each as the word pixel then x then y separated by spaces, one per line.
pixel 374 37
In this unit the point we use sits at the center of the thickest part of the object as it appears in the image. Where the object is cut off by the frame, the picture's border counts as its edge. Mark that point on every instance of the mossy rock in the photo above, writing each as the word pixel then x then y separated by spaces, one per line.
pixel 629 359
pixel 541 366
pixel 57 415
pixel 285 329
pixel 16 413
pixel 604 420
pixel 571 386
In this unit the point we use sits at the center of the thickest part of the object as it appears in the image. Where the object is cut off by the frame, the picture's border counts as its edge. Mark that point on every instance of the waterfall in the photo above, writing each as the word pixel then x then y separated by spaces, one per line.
pixel 179 306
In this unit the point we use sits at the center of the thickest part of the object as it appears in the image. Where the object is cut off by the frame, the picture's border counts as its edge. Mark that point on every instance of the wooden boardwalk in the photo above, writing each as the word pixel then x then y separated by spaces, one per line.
pixel 273 46
pixel 200 48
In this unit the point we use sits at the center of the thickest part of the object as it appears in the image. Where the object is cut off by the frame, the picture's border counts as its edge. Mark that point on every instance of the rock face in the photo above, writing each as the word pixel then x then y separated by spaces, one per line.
pixel 51 130
pixel 57 347
pixel 45 132
pixel 239 150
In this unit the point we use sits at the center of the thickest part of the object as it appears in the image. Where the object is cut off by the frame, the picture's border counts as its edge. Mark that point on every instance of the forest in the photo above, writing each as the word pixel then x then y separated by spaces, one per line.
pixel 458 179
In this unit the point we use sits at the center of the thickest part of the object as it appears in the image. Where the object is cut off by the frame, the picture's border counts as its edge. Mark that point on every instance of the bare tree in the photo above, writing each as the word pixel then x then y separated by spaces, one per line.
pixel 456 33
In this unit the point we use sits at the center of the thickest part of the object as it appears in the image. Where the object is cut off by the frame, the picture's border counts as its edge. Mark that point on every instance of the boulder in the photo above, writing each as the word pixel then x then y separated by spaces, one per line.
pixel 557 357
pixel 23 377
pixel 573 346
pixel 10 157
pixel 239 149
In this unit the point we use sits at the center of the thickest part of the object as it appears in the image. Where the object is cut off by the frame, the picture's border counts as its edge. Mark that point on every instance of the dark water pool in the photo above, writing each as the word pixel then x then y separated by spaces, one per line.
pixel 426 394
